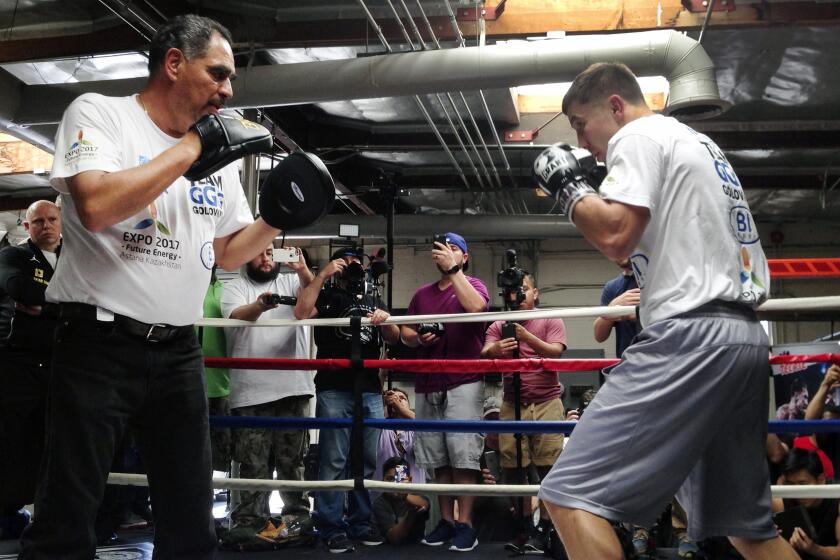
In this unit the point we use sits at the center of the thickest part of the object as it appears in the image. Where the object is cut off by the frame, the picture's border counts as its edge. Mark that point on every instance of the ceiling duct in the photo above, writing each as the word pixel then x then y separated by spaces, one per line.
pixel 690 71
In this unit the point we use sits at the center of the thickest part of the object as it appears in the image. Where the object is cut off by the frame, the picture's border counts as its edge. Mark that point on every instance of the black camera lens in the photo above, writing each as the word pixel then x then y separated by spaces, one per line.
pixel 354 272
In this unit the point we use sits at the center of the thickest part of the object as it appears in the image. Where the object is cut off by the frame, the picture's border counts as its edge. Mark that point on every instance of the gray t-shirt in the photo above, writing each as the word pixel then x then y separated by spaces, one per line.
pixel 388 512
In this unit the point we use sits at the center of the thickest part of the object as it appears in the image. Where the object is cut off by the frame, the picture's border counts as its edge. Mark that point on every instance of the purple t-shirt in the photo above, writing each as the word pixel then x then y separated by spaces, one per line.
pixel 459 341
pixel 539 386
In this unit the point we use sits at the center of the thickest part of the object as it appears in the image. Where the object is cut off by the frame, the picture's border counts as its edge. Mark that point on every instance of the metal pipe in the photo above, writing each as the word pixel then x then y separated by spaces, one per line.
pixel 690 71
pixel 452 126
pixel 414 26
pixel 478 134
pixel 417 99
pixel 376 28
pixel 149 27
pixel 402 27
pixel 466 132
pixel 439 98
pixel 457 29
pixel 706 19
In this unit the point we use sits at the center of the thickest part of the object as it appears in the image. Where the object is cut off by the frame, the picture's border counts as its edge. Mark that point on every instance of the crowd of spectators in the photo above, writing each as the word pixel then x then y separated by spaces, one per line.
pixel 344 519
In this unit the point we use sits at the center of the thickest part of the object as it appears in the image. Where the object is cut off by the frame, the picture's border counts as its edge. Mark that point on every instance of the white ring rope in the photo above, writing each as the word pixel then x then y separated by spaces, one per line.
pixel 786 304
pixel 253 484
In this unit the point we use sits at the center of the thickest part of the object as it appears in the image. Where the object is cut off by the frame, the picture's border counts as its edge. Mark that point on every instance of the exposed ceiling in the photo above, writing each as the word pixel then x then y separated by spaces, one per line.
pixel 775 62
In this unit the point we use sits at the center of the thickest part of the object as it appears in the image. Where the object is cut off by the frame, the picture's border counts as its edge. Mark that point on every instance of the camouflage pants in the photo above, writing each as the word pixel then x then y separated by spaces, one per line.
pixel 261 451
pixel 219 437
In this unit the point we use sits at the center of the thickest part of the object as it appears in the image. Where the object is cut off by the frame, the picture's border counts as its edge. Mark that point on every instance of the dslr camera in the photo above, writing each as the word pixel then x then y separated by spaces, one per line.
pixel 433 328
pixel 510 281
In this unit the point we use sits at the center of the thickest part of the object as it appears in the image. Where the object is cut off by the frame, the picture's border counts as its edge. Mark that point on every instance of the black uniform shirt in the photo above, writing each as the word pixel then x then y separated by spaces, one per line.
pixel 25 274
pixel 335 342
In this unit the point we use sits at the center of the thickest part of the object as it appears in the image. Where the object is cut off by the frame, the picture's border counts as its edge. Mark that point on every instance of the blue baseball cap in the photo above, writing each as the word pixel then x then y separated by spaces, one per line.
pixel 456 240
pixel 348 252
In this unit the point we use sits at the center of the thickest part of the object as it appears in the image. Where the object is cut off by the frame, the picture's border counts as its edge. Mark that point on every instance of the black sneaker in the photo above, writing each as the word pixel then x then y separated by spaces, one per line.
pixel 537 542
pixel 370 536
pixel 465 539
pixel 442 533
pixel 340 543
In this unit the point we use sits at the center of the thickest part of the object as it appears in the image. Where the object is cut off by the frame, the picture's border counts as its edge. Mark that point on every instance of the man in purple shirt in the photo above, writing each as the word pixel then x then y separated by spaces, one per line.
pixel 448 396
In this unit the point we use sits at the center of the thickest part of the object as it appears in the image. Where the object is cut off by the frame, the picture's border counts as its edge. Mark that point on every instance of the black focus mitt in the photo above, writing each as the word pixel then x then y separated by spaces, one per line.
pixel 223 140
pixel 298 192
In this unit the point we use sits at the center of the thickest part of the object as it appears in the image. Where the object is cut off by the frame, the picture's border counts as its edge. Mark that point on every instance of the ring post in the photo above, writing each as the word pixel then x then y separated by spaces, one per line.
pixel 357 432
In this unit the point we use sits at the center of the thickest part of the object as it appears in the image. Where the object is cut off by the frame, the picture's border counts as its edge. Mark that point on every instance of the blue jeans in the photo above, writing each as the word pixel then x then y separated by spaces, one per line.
pixel 334 449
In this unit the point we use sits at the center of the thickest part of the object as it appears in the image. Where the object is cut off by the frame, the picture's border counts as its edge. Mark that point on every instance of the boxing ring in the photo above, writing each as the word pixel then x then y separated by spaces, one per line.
pixel 430 367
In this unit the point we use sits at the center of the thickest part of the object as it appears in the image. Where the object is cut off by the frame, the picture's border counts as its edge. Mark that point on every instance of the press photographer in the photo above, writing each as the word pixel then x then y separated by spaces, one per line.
pixel 540 393
pixel 450 395
pixel 343 289
pixel 258 293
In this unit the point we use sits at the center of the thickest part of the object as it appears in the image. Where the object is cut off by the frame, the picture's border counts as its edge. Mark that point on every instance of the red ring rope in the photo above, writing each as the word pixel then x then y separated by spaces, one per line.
pixel 459 366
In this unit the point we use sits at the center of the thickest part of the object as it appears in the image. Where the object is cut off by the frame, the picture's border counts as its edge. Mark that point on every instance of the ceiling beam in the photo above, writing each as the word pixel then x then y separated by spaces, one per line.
pixel 520 19
pixel 535 17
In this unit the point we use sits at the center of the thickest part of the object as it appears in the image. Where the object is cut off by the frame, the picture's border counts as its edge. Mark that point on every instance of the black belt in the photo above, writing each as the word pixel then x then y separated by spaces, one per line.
pixel 150 332
pixel 719 307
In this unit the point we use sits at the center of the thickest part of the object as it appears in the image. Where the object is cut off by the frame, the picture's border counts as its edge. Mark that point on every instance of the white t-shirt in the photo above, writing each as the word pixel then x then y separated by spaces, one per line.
pixel 249 387
pixel 701 243
pixel 51 257
pixel 154 266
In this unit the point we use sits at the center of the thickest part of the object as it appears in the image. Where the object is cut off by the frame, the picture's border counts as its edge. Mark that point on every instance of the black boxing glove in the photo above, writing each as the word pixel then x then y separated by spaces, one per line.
pixel 567 173
pixel 223 140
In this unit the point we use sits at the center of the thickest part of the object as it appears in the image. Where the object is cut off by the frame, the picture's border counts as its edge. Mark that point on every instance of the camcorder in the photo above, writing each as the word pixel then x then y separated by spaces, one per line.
pixel 355 275
pixel 277 299
pixel 510 282
pixel 361 281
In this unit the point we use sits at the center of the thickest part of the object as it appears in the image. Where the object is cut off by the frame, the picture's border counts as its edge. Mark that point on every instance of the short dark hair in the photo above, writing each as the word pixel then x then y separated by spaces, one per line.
pixel 392 464
pixel 798 385
pixel 586 398
pixel 601 80
pixel 190 34
pixel 832 409
pixel 532 277
pixel 803 459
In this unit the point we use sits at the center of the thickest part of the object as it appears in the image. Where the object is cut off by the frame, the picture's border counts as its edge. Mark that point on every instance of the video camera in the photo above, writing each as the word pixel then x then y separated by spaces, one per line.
pixel 360 280
pixel 277 299
pixel 510 280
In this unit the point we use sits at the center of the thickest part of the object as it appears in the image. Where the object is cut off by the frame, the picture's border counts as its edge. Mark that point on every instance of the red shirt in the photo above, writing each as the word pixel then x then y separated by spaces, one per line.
pixel 804 442
pixel 538 386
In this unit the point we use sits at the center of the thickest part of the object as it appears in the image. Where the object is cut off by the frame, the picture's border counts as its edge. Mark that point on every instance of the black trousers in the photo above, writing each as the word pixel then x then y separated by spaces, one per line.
pixel 23 396
pixel 102 381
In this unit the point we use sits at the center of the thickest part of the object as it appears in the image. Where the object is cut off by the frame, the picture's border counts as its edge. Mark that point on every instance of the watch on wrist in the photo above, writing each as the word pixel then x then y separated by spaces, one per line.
pixel 453 270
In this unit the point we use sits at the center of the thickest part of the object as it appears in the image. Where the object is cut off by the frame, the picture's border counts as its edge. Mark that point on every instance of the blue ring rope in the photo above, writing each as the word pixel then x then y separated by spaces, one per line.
pixel 474 426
